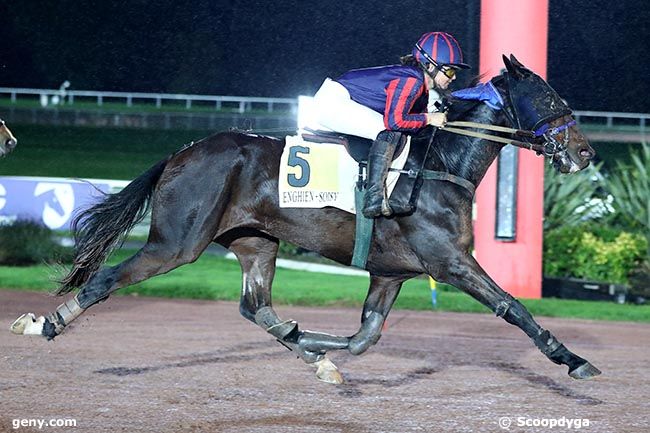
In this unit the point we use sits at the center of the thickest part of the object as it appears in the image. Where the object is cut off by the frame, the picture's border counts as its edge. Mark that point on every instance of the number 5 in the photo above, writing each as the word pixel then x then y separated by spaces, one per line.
pixel 294 161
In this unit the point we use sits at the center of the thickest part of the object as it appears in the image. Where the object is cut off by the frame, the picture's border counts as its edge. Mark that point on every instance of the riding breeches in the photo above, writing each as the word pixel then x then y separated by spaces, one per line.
pixel 335 110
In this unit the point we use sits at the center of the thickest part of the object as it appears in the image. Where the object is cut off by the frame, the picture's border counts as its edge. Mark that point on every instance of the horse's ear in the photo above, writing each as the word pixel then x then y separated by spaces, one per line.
pixel 522 69
pixel 512 69
pixel 516 62
pixel 515 69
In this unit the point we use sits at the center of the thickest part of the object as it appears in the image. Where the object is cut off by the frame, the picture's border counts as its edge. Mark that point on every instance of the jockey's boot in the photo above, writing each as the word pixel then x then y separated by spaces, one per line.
pixel 375 202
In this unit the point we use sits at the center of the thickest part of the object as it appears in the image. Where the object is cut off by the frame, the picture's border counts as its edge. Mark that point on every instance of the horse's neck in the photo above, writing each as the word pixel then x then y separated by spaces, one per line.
pixel 468 157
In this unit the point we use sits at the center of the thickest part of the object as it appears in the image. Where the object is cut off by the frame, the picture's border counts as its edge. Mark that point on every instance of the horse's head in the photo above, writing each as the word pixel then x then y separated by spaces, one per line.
pixel 535 106
pixel 7 140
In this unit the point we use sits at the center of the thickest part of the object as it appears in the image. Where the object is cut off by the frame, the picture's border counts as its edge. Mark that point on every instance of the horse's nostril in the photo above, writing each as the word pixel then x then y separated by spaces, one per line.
pixel 586 153
pixel 10 143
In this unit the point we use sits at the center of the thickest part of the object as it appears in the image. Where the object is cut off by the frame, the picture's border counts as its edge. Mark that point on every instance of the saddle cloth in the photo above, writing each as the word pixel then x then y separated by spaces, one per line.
pixel 317 175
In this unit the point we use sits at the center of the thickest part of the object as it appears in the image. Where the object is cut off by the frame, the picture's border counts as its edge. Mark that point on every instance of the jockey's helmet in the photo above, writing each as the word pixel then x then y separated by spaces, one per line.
pixel 439 48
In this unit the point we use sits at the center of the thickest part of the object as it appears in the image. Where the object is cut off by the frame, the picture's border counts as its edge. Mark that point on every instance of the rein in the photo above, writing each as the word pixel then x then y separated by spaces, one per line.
pixel 456 128
pixel 550 147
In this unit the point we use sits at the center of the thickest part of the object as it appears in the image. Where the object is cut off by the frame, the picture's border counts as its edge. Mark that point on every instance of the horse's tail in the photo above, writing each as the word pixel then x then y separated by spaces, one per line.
pixel 102 227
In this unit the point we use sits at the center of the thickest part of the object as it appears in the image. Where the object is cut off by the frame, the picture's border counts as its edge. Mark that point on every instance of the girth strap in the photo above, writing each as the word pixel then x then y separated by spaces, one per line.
pixel 439 175
pixel 448 177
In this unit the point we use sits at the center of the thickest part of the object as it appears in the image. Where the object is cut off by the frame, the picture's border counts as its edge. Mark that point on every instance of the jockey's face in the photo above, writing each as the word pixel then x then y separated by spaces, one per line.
pixel 442 81
pixel 439 81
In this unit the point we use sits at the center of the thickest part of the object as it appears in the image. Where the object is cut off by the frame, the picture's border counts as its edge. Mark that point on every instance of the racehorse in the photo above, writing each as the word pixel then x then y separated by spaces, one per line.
pixel 7 140
pixel 224 189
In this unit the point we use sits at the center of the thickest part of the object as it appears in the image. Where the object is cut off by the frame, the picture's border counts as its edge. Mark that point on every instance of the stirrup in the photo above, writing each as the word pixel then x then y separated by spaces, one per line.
pixel 386 209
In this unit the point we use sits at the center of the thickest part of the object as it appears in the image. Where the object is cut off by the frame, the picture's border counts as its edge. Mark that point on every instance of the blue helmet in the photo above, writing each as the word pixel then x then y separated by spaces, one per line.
pixel 440 48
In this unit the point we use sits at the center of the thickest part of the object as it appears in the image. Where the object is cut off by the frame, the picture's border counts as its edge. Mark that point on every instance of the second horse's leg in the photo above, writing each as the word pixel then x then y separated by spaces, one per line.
pixel 257 256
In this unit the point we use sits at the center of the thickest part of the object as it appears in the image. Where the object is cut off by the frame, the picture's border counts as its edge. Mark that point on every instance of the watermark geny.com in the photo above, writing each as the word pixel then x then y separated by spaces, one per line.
pixel 42 423
pixel 505 422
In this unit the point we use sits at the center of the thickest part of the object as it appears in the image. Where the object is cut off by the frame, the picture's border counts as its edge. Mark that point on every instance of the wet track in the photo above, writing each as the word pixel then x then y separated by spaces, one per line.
pixel 151 365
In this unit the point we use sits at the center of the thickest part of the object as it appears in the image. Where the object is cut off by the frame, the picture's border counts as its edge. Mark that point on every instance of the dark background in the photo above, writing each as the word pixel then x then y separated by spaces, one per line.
pixel 598 50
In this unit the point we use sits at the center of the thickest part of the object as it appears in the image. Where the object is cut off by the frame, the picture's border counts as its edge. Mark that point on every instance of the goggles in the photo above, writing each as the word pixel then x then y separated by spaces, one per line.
pixel 449 72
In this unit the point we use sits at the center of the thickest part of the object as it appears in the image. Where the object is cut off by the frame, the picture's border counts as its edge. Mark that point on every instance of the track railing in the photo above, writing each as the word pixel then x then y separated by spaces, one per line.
pixel 242 104
pixel 246 104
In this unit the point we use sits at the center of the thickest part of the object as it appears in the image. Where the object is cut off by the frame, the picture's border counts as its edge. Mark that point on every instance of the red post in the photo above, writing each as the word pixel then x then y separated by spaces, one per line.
pixel 520 28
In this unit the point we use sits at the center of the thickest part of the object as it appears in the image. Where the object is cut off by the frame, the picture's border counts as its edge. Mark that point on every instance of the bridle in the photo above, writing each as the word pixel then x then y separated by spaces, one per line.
pixel 542 139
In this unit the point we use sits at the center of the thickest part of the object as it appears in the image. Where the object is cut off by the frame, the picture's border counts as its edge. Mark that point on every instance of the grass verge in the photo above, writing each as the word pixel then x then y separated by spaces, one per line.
pixel 216 278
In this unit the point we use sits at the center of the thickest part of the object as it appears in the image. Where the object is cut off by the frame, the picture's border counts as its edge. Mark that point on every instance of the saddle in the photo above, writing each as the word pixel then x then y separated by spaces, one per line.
pixel 357 147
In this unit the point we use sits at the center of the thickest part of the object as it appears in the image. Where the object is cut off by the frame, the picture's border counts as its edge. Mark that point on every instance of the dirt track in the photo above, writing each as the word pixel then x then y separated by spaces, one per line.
pixel 135 364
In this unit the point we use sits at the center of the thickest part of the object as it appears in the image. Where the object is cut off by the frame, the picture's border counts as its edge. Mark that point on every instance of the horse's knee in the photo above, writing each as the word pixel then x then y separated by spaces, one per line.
pixel 368 335
pixel 514 312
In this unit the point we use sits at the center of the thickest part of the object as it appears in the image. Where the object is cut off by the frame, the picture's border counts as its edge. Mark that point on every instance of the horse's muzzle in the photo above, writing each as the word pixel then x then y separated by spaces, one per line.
pixel 10 144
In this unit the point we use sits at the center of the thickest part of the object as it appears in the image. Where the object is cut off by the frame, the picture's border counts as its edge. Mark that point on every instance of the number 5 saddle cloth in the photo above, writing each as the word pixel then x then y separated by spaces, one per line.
pixel 317 175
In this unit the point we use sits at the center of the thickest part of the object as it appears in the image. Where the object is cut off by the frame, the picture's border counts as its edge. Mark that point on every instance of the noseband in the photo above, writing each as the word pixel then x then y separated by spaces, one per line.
pixel 551 145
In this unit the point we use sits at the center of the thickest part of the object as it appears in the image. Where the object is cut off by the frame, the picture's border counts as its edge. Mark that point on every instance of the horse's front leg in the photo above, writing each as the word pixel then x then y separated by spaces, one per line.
pixel 381 295
pixel 257 256
pixel 462 271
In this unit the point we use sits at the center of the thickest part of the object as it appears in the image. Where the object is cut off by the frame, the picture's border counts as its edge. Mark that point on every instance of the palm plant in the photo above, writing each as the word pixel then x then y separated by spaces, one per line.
pixel 629 186
pixel 571 200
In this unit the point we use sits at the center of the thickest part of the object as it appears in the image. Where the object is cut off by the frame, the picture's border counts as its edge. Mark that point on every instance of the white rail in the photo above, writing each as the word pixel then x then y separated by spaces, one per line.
pixel 244 103
pixel 611 116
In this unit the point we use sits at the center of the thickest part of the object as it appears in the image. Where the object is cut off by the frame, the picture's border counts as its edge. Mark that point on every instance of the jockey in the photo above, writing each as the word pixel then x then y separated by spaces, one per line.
pixel 384 102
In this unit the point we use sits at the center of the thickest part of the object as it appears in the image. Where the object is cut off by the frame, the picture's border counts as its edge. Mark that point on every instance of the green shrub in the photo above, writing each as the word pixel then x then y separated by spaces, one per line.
pixel 287 249
pixel 572 199
pixel 630 187
pixel 640 279
pixel 24 243
pixel 599 254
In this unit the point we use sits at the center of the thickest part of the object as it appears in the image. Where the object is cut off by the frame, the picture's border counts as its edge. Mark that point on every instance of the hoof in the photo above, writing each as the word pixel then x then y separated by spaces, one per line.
pixel 328 372
pixel 585 371
pixel 28 324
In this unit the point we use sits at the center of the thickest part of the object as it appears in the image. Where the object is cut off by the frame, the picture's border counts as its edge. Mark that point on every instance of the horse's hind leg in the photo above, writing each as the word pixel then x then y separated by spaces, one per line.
pixel 466 274
pixel 178 235
pixel 153 259
pixel 257 258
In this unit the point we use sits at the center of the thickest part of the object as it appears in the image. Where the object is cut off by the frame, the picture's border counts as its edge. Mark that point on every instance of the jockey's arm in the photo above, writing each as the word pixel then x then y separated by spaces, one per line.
pixel 401 95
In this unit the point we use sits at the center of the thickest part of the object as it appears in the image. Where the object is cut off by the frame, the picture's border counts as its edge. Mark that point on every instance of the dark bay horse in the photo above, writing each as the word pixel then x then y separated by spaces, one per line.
pixel 224 189
pixel 7 140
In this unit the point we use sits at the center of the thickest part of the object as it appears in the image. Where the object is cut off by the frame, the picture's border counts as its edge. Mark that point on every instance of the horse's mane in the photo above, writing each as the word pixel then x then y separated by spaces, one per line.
pixel 457 154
